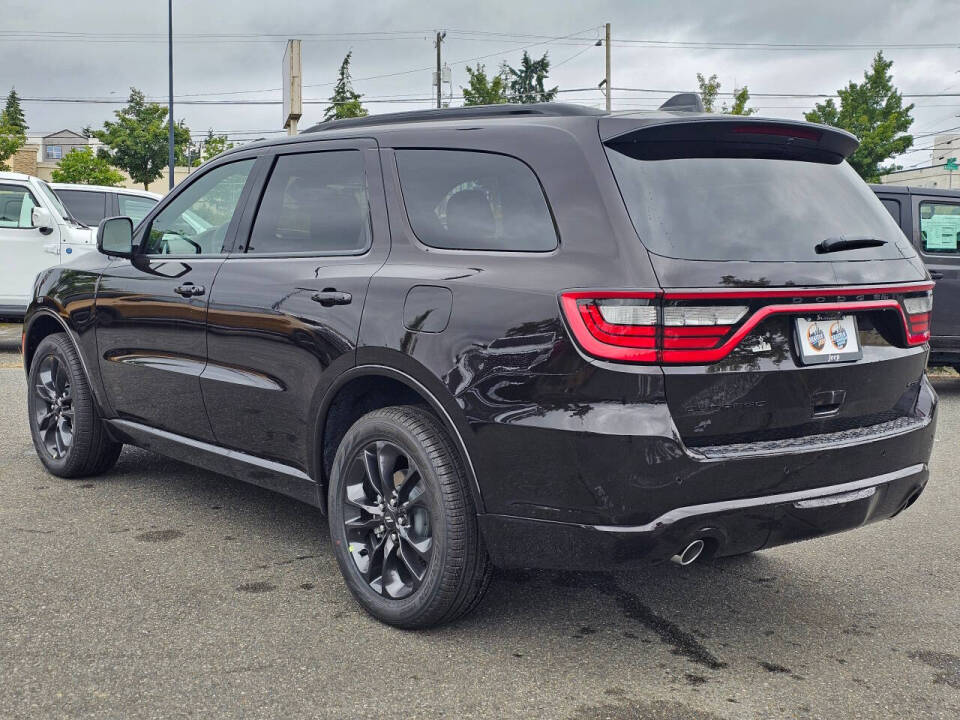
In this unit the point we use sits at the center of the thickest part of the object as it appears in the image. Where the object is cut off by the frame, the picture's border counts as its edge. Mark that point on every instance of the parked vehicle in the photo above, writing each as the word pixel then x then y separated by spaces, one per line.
pixel 930 218
pixel 36 232
pixel 537 336
pixel 92 203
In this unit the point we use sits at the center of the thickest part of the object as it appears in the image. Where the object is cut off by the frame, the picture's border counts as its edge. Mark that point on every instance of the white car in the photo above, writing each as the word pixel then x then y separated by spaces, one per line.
pixel 92 203
pixel 36 232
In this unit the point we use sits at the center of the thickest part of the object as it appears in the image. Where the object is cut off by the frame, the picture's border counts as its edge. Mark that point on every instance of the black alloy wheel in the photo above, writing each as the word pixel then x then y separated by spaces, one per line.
pixel 387 519
pixel 53 407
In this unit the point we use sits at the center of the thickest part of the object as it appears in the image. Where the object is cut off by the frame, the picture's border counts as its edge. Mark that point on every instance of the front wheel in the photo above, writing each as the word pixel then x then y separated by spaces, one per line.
pixel 402 521
pixel 68 433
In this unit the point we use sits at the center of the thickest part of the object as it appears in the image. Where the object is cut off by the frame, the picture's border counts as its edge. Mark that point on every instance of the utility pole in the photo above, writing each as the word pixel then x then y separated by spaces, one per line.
pixel 440 36
pixel 170 108
pixel 606 44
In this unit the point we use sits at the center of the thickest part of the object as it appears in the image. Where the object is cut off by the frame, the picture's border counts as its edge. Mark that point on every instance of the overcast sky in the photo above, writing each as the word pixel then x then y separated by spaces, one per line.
pixel 61 49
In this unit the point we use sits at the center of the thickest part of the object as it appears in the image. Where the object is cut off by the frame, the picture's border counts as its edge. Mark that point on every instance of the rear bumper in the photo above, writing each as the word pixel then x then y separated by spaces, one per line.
pixel 728 527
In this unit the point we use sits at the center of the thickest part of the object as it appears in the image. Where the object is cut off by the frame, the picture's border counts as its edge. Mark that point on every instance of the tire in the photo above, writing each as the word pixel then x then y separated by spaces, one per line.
pixel 432 499
pixel 67 430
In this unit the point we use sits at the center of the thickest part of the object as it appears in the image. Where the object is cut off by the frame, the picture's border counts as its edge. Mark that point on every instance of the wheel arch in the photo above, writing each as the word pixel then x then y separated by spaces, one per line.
pixel 369 387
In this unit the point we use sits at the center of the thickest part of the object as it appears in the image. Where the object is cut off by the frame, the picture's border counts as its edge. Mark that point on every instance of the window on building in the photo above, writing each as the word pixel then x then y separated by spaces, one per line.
pixel 54 152
pixel 474 201
pixel 16 204
pixel 940 227
pixel 314 203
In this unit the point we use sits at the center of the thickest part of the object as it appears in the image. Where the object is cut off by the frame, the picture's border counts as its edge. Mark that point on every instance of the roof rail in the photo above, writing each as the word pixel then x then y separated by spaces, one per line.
pixel 684 102
pixel 460 113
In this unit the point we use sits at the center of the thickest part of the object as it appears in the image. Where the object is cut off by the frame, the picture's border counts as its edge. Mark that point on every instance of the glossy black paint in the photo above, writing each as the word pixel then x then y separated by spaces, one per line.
pixel 560 448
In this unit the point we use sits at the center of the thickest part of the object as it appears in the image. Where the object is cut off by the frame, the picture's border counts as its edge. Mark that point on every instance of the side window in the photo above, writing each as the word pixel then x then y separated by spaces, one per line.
pixel 474 201
pixel 87 206
pixel 196 221
pixel 135 207
pixel 940 227
pixel 314 203
pixel 893 207
pixel 16 202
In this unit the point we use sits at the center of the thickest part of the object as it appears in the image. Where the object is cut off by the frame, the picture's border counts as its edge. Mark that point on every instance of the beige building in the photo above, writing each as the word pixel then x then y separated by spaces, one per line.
pixel 936 175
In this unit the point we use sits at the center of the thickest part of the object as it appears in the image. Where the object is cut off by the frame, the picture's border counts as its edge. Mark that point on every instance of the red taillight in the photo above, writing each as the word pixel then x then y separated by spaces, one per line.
pixel 780 130
pixel 700 327
pixel 917 308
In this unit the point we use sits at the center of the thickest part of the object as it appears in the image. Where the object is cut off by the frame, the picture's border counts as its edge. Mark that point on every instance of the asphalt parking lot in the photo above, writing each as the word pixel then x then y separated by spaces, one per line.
pixel 163 591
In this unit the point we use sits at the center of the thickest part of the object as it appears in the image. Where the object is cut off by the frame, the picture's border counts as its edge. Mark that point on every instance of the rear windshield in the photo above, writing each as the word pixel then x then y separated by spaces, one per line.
pixel 745 208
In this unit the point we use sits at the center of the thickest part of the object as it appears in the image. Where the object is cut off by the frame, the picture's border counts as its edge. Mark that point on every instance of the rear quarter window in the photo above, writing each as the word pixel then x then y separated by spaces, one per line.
pixel 468 200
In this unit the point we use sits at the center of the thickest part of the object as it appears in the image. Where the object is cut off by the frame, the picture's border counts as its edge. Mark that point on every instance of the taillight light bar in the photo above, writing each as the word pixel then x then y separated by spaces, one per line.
pixel 635 326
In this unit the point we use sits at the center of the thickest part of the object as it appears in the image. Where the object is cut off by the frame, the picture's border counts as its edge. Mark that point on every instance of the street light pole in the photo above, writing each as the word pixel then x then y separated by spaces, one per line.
pixel 170 108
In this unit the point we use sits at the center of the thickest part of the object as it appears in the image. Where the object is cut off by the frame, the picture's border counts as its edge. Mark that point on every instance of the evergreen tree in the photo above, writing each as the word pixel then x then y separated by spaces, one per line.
pixel 345 102
pixel 13 113
pixel 873 111
pixel 527 81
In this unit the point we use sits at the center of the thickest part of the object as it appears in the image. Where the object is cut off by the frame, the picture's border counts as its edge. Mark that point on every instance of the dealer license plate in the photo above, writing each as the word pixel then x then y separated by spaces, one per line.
pixel 828 339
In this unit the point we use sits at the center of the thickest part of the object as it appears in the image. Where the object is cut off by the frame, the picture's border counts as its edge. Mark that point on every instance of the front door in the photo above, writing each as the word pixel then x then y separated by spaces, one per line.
pixel 151 311
pixel 938 231
pixel 26 250
pixel 285 311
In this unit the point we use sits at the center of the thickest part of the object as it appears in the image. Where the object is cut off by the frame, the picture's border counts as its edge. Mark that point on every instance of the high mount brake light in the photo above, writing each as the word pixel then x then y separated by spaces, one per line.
pixel 780 130
pixel 637 327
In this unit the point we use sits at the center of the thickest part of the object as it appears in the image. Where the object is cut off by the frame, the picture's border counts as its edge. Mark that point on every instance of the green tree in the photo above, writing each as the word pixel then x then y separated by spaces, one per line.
pixel 13 113
pixel 710 90
pixel 527 81
pixel 213 145
pixel 137 140
pixel 740 99
pixel 345 102
pixel 81 165
pixel 484 90
pixel 13 129
pixel 873 111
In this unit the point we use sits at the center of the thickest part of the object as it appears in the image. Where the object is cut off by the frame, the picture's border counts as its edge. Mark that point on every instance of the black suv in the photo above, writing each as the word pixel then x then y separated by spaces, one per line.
pixel 930 217
pixel 538 336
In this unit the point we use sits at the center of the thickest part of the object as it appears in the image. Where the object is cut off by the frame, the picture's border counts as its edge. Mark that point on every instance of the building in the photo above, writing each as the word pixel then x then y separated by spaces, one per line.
pixel 937 174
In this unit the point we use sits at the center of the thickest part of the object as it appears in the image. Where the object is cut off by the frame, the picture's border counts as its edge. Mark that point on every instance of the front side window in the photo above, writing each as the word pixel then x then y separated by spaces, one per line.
pixel 314 203
pixel 196 221
pixel 939 227
pixel 464 200
pixel 16 204
pixel 135 207
pixel 87 206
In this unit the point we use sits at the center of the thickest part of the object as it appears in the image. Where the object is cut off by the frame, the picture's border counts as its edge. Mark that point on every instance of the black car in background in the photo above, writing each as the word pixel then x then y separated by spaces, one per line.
pixel 536 336
pixel 930 218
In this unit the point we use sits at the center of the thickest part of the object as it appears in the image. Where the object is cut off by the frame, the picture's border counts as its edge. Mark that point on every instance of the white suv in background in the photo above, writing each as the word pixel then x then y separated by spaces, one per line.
pixel 92 203
pixel 36 232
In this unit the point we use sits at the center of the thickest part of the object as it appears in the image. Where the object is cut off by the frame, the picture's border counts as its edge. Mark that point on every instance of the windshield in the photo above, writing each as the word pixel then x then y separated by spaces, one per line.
pixel 746 208
pixel 55 201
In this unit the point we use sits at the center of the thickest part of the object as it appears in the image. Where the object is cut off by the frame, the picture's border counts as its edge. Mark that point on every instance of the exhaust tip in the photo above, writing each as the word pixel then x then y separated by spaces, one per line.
pixel 689 554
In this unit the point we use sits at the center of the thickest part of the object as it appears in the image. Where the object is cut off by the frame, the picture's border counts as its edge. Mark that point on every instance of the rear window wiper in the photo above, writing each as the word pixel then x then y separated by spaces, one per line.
pixel 838 244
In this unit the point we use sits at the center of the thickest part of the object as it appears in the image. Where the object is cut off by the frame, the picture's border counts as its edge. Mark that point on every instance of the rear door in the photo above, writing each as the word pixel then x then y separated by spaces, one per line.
pixel 151 311
pixel 784 281
pixel 936 233
pixel 26 250
pixel 285 310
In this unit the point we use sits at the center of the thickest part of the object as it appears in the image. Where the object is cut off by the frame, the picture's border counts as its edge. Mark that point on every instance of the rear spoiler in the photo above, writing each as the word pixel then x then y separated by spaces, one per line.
pixel 708 135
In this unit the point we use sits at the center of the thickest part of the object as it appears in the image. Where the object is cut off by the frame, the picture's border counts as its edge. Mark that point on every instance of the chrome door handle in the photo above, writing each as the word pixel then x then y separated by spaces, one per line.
pixel 329 298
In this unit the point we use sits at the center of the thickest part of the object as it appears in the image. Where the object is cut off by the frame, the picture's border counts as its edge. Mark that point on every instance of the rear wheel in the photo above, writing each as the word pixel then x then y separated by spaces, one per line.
pixel 402 520
pixel 67 430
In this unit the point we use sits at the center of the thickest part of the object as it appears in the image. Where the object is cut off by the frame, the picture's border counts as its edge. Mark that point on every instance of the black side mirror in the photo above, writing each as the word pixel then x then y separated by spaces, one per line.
pixel 115 237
